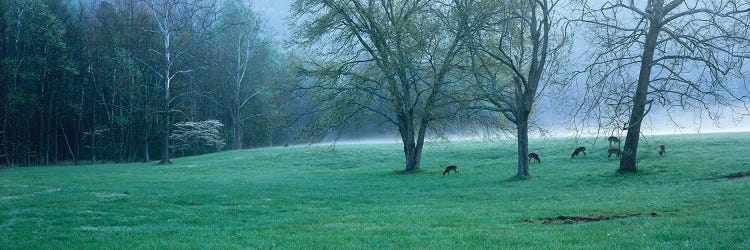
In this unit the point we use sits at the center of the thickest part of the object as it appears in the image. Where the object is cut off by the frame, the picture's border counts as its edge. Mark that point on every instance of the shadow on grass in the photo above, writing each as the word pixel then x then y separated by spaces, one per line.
pixel 419 171
pixel 563 219
pixel 737 175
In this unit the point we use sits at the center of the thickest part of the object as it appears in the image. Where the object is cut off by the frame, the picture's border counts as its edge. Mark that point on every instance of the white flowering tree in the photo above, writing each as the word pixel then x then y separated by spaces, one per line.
pixel 197 137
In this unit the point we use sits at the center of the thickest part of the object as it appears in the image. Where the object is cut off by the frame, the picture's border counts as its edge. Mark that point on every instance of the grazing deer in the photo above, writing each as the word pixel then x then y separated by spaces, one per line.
pixel 450 168
pixel 612 139
pixel 535 157
pixel 613 151
pixel 578 151
pixel 662 150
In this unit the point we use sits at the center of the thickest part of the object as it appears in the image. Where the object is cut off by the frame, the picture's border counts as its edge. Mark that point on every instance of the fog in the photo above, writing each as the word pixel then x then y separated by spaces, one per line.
pixel 274 12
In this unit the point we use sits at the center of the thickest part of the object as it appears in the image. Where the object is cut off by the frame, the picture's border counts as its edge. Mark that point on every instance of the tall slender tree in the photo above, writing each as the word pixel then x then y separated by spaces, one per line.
pixel 517 50
pixel 245 49
pixel 181 25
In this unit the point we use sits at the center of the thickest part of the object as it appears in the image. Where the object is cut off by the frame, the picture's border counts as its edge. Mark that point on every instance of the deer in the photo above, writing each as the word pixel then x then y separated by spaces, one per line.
pixel 578 151
pixel 612 139
pixel 613 151
pixel 662 150
pixel 450 168
pixel 535 157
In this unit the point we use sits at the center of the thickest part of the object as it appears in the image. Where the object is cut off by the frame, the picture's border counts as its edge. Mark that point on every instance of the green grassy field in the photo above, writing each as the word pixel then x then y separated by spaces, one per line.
pixel 354 196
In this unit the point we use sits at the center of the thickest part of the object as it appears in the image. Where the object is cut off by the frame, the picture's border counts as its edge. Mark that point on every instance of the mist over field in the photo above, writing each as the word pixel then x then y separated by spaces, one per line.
pixel 275 12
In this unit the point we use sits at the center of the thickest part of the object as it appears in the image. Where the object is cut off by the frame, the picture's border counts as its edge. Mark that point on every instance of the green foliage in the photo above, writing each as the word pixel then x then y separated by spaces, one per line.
pixel 9 67
pixel 353 197
pixel 80 66
pixel 43 36
pixel 358 68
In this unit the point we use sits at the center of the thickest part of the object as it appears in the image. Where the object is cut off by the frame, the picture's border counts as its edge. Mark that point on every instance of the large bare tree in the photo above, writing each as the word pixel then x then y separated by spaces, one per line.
pixel 686 54
pixel 391 58
pixel 181 26
pixel 517 51
pixel 243 38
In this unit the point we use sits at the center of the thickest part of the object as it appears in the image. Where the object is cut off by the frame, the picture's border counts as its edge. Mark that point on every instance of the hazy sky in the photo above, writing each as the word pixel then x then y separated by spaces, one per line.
pixel 274 13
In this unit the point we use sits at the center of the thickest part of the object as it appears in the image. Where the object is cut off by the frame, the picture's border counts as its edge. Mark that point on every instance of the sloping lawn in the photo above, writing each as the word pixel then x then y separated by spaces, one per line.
pixel 355 196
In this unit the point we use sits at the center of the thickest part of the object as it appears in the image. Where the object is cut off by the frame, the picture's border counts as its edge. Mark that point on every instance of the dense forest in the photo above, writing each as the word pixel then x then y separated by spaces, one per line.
pixel 89 81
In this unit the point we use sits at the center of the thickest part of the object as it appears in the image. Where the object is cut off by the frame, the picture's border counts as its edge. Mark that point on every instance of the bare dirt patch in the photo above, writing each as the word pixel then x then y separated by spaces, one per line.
pixel 737 175
pixel 563 219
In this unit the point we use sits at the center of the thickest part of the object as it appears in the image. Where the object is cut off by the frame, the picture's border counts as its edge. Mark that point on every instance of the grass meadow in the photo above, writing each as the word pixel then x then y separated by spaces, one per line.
pixel 355 196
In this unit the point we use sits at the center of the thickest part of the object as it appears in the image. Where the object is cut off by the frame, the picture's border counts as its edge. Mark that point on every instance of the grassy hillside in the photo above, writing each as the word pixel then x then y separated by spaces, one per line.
pixel 355 197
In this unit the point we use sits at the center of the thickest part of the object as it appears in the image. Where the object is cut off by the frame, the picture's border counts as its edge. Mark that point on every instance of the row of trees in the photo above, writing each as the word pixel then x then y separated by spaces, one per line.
pixel 415 63
pixel 117 79
pixel 107 79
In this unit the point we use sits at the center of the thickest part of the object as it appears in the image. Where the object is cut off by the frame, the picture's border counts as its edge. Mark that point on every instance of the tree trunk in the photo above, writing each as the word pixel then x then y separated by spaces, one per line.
pixel 146 157
pixel 40 139
pixel 412 157
pixel 93 116
pixel 270 139
pixel 523 146
pixel 55 140
pixel 165 30
pixel 237 130
pixel 420 143
pixel 51 133
pixel 166 125
pixel 146 140
pixel 628 158
pixel 4 142
pixel 79 126
pixel 67 143
pixel 412 147
pixel 167 85
pixel 165 138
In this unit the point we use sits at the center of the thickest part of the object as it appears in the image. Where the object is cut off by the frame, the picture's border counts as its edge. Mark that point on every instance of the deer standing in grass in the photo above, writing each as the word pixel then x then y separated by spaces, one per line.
pixel 449 169
pixel 578 151
pixel 534 157
pixel 612 139
pixel 613 151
